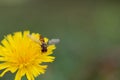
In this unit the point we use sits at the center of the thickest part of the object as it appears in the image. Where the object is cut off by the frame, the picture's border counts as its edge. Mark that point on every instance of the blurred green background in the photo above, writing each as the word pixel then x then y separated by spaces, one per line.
pixel 88 29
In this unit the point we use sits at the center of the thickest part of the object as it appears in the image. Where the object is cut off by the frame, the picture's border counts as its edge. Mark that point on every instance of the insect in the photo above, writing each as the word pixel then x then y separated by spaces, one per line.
pixel 42 42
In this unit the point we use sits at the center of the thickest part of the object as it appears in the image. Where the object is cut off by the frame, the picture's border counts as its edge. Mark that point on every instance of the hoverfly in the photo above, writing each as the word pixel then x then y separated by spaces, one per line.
pixel 42 42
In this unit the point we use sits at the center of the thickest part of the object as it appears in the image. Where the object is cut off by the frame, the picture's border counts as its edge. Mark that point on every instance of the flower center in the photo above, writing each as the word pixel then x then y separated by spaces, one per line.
pixel 24 61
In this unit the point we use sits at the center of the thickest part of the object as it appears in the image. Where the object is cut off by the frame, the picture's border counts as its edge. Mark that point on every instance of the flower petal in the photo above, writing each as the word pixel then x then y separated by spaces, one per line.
pixel 20 73
pixel 6 70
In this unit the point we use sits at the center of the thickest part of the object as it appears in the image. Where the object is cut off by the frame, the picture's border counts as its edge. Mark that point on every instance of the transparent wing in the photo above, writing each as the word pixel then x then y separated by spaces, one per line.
pixel 53 41
pixel 33 38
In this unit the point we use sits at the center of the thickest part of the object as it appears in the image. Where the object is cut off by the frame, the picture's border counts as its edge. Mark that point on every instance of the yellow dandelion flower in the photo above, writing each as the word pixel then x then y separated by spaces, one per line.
pixel 20 54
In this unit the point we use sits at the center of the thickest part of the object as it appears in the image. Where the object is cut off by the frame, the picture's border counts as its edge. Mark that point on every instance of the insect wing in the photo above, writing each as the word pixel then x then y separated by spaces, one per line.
pixel 53 41
pixel 33 38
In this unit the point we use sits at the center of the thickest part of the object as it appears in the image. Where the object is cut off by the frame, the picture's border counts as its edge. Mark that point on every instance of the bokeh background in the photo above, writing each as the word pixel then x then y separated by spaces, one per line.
pixel 89 31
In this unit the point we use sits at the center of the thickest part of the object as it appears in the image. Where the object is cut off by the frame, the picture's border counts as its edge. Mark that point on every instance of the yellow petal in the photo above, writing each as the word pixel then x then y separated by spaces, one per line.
pixel 6 70
pixel 29 76
pixel 3 65
pixel 20 73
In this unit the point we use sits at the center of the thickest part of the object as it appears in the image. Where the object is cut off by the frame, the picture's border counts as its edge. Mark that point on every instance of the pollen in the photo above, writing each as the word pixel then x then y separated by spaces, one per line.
pixel 22 55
